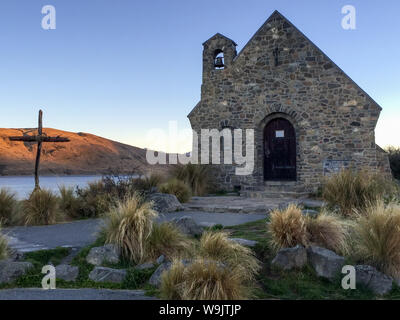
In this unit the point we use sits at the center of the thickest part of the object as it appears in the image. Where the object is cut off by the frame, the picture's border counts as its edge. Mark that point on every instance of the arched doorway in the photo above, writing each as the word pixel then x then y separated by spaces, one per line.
pixel 279 150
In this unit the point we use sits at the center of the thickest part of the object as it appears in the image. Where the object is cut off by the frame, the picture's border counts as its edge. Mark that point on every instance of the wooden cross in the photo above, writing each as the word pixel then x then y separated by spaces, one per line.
pixel 41 137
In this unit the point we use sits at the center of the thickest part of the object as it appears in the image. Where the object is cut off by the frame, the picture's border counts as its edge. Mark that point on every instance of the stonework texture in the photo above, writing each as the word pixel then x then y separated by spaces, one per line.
pixel 333 118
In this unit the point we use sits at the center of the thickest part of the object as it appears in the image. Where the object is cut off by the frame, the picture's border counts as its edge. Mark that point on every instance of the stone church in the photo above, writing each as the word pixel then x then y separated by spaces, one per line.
pixel 309 118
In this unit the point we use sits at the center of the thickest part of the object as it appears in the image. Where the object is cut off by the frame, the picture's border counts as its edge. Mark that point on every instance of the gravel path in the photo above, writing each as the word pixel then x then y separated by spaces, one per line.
pixel 78 234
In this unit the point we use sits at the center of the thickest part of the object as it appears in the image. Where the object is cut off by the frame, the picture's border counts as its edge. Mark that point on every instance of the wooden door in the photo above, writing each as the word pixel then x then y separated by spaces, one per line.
pixel 279 150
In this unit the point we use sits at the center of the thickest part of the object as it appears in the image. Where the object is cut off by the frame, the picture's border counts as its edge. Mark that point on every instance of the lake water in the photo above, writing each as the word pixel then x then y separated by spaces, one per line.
pixel 23 185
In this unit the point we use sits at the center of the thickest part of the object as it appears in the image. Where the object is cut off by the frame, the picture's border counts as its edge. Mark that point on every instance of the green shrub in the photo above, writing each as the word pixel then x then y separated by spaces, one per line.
pixel 394 159
pixel 3 246
pixel 95 199
pixel 198 177
pixel 377 237
pixel 41 208
pixel 70 204
pixel 351 190
pixel 147 184
pixel 178 188
pixel 8 207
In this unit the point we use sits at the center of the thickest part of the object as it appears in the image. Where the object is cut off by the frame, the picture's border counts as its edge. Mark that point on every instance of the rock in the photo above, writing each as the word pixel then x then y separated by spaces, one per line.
pixel 16 255
pixel 11 270
pixel 187 225
pixel 155 279
pixel 67 272
pixel 309 203
pixel 103 274
pixel 145 266
pixel 290 258
pixel 326 263
pixel 374 280
pixel 244 242
pixel 310 213
pixel 105 254
pixel 160 259
pixel 164 203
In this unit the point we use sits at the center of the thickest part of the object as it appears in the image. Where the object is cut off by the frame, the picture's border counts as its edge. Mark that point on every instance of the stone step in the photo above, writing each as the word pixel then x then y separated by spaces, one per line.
pixel 275 194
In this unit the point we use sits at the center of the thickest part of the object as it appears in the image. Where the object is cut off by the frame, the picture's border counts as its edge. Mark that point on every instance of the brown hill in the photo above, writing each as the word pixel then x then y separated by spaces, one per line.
pixel 84 154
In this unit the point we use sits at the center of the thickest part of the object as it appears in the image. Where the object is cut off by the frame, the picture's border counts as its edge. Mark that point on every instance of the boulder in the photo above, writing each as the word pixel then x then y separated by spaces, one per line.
pixel 164 203
pixel 245 242
pixel 155 279
pixel 326 263
pixel 11 270
pixel 105 254
pixel 374 280
pixel 310 213
pixel 144 266
pixel 188 226
pixel 290 258
pixel 67 272
pixel 103 274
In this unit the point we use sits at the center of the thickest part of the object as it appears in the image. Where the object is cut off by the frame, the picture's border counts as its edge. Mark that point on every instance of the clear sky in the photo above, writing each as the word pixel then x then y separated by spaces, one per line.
pixel 118 68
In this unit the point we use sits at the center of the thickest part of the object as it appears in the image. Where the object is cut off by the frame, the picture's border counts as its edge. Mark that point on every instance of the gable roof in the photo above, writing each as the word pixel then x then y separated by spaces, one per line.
pixel 219 35
pixel 276 14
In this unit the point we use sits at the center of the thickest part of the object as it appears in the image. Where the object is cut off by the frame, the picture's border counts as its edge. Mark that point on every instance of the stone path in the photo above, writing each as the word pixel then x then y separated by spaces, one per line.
pixel 72 294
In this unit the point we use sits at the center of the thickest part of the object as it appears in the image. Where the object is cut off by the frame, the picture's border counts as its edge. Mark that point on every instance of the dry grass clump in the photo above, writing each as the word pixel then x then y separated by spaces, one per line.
pixel 148 183
pixel 327 231
pixel 178 188
pixel 377 237
pixel 218 246
pixel 353 190
pixel 95 199
pixel 3 246
pixel 129 225
pixel 198 177
pixel 8 206
pixel 203 280
pixel 70 204
pixel 221 270
pixel 165 238
pixel 41 208
pixel 287 228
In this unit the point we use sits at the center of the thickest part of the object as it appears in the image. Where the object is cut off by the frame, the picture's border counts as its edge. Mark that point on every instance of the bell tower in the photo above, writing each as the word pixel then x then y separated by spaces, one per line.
pixel 218 54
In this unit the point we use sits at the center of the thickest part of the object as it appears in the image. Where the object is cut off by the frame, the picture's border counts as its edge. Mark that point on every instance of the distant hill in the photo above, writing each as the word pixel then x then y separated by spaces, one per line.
pixel 85 154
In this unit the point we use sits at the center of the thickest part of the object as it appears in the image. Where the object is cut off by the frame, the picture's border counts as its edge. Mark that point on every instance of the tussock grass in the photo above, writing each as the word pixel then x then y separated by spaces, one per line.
pixel 167 239
pixel 217 246
pixel 353 190
pixel 95 199
pixel 129 225
pixel 178 188
pixel 70 204
pixel 8 207
pixel 3 246
pixel 377 237
pixel 41 208
pixel 327 231
pixel 287 228
pixel 198 177
pixel 203 280
pixel 148 183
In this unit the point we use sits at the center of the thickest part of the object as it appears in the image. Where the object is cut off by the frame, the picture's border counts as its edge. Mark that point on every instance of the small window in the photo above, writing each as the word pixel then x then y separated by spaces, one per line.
pixel 280 133
pixel 219 59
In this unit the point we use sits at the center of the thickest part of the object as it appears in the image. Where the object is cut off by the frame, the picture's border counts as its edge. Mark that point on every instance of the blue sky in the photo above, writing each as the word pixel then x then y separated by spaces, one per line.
pixel 118 68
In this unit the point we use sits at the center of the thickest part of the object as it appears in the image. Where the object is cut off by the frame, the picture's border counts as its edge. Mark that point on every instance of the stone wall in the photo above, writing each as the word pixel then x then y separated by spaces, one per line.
pixel 334 119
